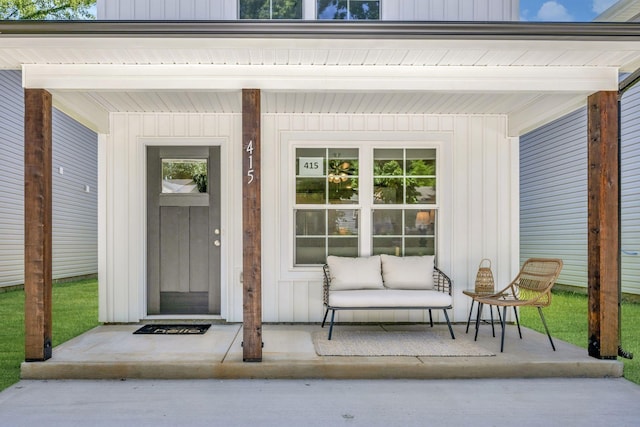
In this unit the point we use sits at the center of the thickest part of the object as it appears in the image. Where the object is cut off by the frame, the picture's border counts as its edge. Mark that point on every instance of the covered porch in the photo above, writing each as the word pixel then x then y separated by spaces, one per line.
pixel 114 352
pixel 471 88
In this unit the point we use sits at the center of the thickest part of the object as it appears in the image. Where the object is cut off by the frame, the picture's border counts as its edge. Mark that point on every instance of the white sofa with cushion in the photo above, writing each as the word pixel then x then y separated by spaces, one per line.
pixel 385 282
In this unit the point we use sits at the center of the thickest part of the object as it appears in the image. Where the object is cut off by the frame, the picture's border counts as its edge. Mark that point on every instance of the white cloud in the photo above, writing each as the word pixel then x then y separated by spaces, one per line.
pixel 600 6
pixel 554 11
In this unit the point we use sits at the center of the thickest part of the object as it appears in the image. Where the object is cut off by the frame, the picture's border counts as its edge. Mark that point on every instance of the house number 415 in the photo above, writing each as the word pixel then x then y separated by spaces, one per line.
pixel 249 151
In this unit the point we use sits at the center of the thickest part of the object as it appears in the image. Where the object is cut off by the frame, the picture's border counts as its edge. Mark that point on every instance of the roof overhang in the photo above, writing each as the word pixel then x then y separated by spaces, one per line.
pixel 621 11
pixel 464 30
pixel 531 72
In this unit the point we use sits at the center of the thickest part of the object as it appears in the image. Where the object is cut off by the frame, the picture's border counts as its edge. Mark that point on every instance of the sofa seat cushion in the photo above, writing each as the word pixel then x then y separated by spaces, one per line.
pixel 355 273
pixel 389 298
pixel 410 272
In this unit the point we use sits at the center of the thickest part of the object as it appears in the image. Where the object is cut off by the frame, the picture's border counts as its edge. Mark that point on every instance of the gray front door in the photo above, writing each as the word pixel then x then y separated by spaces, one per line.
pixel 183 230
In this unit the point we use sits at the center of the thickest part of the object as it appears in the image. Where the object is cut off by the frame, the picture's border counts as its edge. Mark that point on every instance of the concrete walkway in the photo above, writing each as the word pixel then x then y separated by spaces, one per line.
pixel 114 352
pixel 520 402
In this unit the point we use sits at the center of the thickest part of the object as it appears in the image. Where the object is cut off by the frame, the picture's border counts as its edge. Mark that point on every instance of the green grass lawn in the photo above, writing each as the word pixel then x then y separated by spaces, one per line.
pixel 75 310
pixel 567 320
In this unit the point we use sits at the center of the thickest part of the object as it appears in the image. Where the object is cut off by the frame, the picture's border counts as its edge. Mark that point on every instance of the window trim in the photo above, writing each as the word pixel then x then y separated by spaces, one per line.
pixel 365 142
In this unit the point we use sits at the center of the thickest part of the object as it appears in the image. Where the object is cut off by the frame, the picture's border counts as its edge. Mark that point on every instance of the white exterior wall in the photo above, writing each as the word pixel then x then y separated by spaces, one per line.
pixel 122 205
pixel 184 10
pixel 390 10
pixel 450 10
pixel 478 204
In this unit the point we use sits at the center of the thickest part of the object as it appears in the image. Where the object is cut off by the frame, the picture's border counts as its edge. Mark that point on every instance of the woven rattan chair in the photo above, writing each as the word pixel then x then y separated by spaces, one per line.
pixel 531 288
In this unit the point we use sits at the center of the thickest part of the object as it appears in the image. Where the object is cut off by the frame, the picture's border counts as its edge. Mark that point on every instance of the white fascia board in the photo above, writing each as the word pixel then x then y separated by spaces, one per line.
pixel 542 111
pixel 116 44
pixel 320 78
pixel 82 110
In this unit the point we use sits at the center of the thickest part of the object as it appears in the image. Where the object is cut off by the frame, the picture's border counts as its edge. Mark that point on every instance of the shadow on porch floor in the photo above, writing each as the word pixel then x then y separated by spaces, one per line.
pixel 112 351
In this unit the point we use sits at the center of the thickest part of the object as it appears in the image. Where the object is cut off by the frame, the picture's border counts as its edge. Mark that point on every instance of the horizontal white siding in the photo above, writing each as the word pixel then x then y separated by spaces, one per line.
pixel 630 181
pixel 553 195
pixel 74 210
pixel 11 179
pixel 390 10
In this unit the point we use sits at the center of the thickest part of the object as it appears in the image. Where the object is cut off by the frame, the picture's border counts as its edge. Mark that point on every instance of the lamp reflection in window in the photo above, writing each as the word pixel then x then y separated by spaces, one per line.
pixel 339 172
pixel 424 221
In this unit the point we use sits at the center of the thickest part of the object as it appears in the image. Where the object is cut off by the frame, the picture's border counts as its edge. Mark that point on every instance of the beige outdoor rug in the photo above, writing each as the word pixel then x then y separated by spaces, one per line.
pixel 394 343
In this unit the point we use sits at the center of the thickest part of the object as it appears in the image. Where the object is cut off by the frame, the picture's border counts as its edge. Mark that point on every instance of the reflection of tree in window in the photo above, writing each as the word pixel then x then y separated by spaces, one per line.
pixel 184 172
pixel 390 181
pixel 349 9
pixel 270 9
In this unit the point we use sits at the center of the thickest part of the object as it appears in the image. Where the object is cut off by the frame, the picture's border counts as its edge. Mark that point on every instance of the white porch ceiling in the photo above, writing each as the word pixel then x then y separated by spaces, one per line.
pixel 307 102
pixel 526 110
pixel 531 81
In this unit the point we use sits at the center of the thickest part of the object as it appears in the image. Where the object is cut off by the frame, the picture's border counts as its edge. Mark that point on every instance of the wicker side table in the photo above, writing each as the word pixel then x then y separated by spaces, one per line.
pixel 473 295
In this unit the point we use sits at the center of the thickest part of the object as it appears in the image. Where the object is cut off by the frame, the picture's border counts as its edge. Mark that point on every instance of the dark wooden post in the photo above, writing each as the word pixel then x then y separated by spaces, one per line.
pixel 37 224
pixel 251 225
pixel 604 239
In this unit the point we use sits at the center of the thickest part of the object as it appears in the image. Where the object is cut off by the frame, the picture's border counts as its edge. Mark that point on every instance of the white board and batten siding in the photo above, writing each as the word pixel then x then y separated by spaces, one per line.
pixel 74 209
pixel 478 193
pixel 122 222
pixel 206 10
pixel 478 203
pixel 450 10
pixel 553 187
pixel 390 10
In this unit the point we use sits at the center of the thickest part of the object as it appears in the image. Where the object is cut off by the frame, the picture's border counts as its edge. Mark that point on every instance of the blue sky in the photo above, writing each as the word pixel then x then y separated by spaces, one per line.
pixel 562 10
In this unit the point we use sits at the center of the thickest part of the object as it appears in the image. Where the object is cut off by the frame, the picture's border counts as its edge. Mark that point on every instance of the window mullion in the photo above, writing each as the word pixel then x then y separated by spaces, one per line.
pixel 366 199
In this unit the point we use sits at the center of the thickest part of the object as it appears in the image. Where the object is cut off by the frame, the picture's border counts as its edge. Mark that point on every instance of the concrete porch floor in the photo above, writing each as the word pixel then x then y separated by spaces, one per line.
pixel 113 352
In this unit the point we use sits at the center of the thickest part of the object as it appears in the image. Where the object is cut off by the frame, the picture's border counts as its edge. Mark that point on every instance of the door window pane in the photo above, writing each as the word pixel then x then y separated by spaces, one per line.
pixel 184 176
pixel 270 9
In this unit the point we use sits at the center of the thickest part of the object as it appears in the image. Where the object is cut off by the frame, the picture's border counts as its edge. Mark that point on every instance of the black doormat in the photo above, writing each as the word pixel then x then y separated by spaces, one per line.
pixel 173 329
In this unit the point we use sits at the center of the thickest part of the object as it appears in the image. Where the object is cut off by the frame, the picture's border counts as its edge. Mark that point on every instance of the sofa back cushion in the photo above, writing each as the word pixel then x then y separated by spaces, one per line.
pixel 354 273
pixel 410 272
